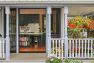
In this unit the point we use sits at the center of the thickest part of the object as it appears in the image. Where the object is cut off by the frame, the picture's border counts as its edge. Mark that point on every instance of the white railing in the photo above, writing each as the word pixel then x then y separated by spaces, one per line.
pixel 77 48
pixel 81 48
pixel 57 47
pixel 2 48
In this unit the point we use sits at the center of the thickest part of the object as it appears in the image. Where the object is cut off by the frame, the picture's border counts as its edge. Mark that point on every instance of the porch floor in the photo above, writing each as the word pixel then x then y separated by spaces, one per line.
pixel 32 58
pixel 28 57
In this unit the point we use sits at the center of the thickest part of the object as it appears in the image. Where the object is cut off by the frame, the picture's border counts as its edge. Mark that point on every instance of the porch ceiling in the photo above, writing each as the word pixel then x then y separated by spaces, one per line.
pixel 78 10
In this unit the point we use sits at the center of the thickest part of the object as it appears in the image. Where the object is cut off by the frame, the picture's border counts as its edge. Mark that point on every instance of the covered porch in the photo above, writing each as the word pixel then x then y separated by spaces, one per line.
pixel 60 44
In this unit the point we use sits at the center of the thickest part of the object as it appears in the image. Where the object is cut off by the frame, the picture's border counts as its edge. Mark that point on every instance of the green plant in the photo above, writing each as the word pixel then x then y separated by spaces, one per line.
pixel 67 60
pixel 53 59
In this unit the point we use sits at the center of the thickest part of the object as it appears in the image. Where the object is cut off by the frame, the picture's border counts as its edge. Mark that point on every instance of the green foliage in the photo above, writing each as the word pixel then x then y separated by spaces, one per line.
pixel 53 59
pixel 72 61
pixel 67 60
pixel 74 33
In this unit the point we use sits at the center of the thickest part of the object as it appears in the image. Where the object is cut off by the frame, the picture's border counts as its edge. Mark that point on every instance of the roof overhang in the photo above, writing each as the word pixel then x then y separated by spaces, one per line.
pixel 46 3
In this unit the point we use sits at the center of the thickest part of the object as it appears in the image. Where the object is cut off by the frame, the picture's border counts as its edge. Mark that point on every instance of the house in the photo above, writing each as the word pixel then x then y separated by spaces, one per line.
pixel 40 26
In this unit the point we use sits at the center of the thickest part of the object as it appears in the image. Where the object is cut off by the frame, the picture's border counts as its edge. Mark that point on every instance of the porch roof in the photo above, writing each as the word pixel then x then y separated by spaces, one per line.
pixel 44 2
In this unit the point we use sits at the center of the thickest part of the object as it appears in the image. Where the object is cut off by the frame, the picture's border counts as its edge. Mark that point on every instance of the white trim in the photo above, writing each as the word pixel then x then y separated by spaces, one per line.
pixel 66 38
pixel 62 23
pixel 7 11
pixel 17 31
pixel 46 2
pixel 48 31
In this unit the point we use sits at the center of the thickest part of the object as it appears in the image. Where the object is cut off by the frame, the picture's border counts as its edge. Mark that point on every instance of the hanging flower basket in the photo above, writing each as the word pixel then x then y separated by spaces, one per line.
pixel 77 25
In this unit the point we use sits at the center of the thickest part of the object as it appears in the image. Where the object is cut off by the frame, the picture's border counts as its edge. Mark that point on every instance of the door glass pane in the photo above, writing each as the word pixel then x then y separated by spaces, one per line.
pixel 12 30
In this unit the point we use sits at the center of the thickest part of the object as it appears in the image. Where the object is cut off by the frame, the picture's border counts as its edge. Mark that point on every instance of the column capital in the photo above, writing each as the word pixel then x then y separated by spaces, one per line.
pixel 65 9
pixel 49 11
pixel 7 10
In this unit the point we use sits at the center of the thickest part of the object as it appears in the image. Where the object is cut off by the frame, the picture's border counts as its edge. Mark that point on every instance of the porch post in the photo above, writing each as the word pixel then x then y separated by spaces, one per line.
pixel 17 32
pixel 62 23
pixel 66 37
pixel 48 31
pixel 7 11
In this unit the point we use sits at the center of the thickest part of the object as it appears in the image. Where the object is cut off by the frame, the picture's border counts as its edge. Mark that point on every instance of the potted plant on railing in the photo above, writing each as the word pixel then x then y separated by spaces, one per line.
pixel 79 25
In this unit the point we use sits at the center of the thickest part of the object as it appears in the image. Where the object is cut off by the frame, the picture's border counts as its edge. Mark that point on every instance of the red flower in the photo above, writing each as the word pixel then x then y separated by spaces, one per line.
pixel 72 26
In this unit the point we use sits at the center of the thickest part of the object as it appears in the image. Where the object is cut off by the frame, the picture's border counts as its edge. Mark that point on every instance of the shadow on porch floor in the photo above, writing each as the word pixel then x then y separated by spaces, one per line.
pixel 28 57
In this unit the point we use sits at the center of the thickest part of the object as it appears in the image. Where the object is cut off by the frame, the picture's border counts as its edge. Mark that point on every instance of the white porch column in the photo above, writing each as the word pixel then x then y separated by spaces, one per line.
pixel 17 31
pixel 62 23
pixel 7 11
pixel 48 31
pixel 66 37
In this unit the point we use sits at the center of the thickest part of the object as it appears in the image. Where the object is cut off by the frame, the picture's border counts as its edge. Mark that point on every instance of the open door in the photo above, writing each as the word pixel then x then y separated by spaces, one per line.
pixel 32 30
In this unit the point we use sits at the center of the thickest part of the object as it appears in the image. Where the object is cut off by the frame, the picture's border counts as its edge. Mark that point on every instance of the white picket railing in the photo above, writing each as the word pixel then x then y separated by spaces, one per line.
pixel 57 47
pixel 2 48
pixel 81 48
pixel 77 48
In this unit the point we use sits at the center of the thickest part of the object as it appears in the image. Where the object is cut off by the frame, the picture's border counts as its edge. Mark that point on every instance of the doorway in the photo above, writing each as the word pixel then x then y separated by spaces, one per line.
pixel 32 29
pixel 32 26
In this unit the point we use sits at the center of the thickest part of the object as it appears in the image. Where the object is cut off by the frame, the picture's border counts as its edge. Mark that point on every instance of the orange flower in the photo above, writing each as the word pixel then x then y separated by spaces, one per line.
pixel 72 26
pixel 91 25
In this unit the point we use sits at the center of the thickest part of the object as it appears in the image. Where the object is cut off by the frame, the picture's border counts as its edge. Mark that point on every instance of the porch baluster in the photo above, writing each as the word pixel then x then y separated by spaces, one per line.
pixel 69 48
pixel 82 48
pixel 56 48
pixel 76 48
pixel 62 41
pixel 91 48
pixel 59 47
pixel 88 47
pixel 85 47
pixel 79 48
